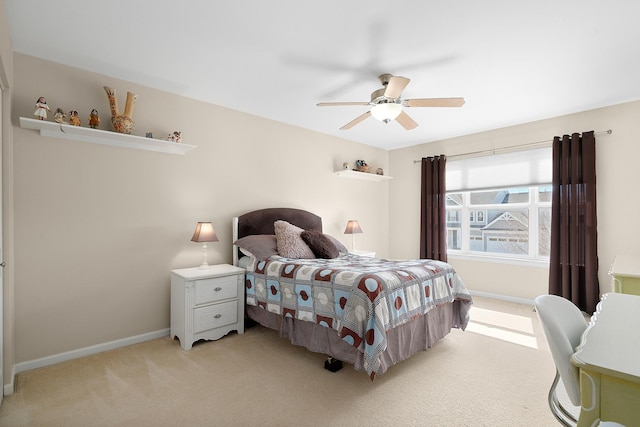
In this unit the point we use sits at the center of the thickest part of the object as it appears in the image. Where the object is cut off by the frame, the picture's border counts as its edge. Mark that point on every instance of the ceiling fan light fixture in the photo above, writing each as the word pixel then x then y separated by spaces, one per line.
pixel 387 103
pixel 386 111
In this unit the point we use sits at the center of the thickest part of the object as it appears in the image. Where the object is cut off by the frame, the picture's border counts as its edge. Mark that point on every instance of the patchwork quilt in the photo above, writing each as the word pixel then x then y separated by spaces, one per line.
pixel 359 297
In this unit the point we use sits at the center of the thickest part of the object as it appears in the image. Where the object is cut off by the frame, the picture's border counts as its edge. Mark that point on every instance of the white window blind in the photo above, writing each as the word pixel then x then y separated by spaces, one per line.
pixel 520 168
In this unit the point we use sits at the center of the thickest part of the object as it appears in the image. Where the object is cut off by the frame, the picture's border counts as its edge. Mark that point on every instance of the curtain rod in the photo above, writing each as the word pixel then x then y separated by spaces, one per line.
pixel 511 148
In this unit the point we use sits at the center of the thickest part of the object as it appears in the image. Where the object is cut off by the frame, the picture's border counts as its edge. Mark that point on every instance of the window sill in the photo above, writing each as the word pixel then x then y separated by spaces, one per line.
pixel 525 262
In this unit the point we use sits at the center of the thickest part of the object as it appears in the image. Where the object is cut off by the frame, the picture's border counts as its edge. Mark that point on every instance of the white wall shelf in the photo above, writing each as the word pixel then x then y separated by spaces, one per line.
pixel 362 175
pixel 97 136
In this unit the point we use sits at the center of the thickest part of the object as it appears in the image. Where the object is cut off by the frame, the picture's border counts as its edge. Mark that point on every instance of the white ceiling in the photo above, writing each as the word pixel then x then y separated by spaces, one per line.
pixel 512 61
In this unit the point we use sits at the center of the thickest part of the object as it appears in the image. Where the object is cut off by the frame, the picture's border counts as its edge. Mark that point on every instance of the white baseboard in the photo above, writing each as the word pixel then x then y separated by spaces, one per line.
pixel 98 348
pixel 8 388
pixel 503 297
pixel 81 352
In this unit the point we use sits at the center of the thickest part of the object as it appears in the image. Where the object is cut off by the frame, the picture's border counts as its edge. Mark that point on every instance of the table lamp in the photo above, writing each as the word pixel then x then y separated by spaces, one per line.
pixel 353 228
pixel 204 233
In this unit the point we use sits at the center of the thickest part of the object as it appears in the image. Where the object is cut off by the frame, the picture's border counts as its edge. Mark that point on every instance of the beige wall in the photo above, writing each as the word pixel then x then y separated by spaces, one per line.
pixel 6 293
pixel 98 228
pixel 617 195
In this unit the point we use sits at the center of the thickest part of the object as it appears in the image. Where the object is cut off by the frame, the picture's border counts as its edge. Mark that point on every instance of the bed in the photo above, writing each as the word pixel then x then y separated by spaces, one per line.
pixel 369 312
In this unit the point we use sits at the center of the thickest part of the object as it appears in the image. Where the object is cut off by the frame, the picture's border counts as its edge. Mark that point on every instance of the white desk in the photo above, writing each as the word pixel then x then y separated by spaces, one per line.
pixel 625 272
pixel 609 361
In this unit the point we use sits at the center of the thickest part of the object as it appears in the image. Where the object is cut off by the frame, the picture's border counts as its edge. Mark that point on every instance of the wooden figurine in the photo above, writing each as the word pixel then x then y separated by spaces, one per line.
pixel 122 123
pixel 41 108
pixel 74 118
pixel 59 117
pixel 94 119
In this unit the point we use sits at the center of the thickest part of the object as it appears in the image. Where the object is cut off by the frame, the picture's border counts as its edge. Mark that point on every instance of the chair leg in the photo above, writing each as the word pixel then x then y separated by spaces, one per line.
pixel 562 415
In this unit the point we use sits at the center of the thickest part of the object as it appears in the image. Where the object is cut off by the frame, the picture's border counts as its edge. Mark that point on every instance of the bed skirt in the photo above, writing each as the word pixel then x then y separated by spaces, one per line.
pixel 405 340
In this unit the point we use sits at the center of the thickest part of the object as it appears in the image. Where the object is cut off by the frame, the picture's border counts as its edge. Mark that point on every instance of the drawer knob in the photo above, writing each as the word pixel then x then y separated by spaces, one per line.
pixel 217 316
pixel 218 289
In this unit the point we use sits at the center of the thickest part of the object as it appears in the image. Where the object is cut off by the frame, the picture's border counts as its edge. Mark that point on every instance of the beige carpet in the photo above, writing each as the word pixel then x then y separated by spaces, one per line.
pixel 467 379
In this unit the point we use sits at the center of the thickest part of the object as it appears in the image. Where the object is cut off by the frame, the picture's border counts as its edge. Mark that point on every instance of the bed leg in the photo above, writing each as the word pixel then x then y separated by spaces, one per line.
pixel 333 365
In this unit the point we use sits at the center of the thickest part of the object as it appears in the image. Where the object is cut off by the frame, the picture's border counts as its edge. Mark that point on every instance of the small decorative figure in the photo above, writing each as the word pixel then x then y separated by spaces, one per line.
pixel 176 136
pixel 122 123
pixel 346 166
pixel 74 118
pixel 379 171
pixel 94 119
pixel 149 134
pixel 362 166
pixel 59 117
pixel 41 108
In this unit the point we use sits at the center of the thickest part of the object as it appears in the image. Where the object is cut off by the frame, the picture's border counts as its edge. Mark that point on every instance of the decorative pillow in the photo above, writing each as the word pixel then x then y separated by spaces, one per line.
pixel 260 246
pixel 339 246
pixel 321 245
pixel 289 242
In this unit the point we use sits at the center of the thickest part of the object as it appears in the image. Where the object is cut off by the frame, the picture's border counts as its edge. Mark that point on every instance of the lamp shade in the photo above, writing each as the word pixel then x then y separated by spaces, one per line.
pixel 353 227
pixel 386 111
pixel 204 233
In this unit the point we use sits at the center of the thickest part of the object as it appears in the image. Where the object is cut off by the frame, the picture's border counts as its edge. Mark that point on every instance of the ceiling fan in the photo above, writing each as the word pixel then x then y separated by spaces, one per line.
pixel 387 105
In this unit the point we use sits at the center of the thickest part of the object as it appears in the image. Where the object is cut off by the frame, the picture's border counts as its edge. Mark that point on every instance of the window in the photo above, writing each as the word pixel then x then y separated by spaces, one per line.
pixel 517 222
pixel 476 216
pixel 500 205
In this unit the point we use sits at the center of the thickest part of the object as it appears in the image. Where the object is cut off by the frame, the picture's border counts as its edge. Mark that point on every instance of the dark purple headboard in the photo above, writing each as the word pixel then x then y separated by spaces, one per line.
pixel 261 221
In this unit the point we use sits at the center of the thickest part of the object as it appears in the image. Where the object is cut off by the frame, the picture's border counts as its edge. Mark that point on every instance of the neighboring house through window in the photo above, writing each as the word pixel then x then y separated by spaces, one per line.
pixel 501 221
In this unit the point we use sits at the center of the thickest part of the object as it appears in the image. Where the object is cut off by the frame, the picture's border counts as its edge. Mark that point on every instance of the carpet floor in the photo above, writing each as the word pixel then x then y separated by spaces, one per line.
pixel 497 373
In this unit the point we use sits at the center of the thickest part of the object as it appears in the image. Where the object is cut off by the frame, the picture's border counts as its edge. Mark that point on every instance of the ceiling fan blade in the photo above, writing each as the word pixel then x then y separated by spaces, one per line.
pixel 395 86
pixel 407 122
pixel 355 121
pixel 334 104
pixel 434 102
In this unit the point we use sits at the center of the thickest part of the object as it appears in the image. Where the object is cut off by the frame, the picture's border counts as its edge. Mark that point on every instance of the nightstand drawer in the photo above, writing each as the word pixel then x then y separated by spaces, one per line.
pixel 217 289
pixel 206 303
pixel 215 316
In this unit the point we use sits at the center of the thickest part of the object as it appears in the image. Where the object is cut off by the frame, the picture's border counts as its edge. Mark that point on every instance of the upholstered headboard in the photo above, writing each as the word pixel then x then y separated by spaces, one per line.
pixel 261 222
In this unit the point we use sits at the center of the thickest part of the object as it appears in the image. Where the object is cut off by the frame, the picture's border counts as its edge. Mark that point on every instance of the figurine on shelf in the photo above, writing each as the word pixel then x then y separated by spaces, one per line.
pixel 361 166
pixel 41 108
pixel 74 118
pixel 94 119
pixel 149 134
pixel 176 136
pixel 59 117
pixel 122 123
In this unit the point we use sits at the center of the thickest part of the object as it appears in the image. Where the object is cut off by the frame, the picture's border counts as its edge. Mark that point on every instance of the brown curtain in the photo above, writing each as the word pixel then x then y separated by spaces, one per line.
pixel 573 264
pixel 433 221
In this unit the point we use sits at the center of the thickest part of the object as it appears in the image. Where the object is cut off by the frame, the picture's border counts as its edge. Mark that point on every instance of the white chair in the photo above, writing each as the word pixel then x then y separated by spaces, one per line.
pixel 563 324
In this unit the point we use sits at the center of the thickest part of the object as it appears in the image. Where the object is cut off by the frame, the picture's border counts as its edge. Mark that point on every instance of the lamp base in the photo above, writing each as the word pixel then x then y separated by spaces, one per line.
pixel 205 265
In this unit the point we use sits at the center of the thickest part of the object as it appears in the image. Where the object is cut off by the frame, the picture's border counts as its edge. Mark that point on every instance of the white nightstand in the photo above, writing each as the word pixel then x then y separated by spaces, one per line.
pixel 363 253
pixel 206 303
